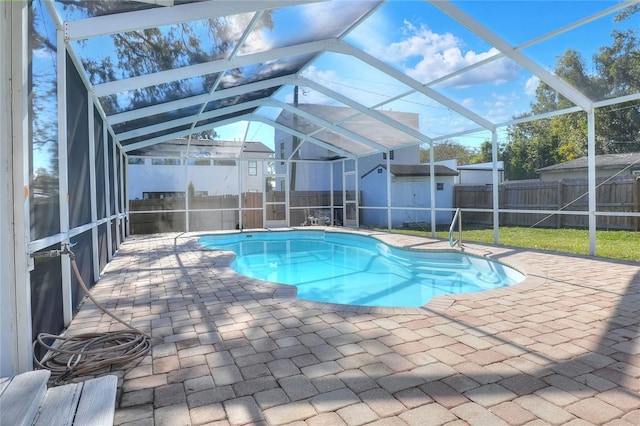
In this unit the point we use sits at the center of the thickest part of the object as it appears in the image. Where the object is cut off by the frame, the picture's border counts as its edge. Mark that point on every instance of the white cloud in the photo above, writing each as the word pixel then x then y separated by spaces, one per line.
pixel 531 85
pixel 427 56
pixel 44 53
pixel 330 18
pixel 501 107
pixel 258 40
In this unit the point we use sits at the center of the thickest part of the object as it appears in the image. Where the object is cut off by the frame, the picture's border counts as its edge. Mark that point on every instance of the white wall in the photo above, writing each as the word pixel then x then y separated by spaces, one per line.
pixel 478 177
pixel 480 174
pixel 406 155
pixel 316 180
pixel 215 179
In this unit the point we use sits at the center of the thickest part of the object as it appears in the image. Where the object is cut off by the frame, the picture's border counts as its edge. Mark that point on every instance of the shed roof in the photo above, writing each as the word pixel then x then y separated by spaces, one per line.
pixel 482 166
pixel 414 170
pixel 607 161
pixel 198 148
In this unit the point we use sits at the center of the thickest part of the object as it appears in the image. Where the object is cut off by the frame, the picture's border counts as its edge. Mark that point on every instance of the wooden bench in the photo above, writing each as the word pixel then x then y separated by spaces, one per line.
pixel 25 400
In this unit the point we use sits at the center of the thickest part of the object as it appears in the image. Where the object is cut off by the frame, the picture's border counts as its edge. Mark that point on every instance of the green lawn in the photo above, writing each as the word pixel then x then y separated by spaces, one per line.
pixel 612 244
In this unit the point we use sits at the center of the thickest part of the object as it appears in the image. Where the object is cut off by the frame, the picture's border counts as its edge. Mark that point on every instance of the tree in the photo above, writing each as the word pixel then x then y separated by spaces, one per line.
pixel 558 139
pixel 528 149
pixel 155 49
pixel 619 71
pixel 448 150
pixel 485 153
pixel 43 92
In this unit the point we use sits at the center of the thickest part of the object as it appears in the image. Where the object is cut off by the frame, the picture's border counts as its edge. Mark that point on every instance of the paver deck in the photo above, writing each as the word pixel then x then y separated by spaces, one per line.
pixel 563 347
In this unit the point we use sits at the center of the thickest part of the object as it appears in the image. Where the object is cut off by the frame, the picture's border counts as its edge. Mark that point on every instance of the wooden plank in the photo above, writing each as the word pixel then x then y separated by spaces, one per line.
pixel 59 405
pixel 97 402
pixel 21 399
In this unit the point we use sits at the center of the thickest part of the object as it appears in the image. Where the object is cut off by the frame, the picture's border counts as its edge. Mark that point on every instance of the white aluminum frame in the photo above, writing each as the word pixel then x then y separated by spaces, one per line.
pixel 15 290
pixel 15 261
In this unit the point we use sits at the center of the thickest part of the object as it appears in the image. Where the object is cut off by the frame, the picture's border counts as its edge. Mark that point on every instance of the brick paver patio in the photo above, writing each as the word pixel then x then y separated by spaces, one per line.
pixel 563 347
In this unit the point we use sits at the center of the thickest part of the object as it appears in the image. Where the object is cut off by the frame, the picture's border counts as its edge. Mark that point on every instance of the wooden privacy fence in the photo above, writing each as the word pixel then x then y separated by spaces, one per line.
pixel 617 195
pixel 221 212
pixel 168 214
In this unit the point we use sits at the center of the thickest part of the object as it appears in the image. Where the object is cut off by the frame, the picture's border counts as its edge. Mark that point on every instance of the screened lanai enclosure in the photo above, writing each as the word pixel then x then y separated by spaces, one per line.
pixel 138 117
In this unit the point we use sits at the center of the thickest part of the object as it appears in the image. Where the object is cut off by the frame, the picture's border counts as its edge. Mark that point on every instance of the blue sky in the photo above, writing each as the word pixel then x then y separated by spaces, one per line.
pixel 417 39
pixel 422 42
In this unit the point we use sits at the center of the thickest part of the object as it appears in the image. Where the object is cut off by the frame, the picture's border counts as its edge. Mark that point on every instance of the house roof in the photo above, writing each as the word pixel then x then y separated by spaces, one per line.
pixel 411 170
pixel 204 148
pixel 357 133
pixel 608 161
pixel 482 166
pixel 216 63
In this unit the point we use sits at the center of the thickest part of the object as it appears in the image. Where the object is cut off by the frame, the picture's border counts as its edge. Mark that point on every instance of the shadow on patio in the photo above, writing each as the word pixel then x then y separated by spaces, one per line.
pixel 232 350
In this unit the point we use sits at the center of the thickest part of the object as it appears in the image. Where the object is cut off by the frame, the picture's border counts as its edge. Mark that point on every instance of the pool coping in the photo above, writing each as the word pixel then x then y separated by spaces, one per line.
pixel 287 294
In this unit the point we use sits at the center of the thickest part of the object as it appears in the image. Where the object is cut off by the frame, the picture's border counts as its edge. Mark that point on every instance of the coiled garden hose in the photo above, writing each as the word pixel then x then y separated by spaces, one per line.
pixel 81 354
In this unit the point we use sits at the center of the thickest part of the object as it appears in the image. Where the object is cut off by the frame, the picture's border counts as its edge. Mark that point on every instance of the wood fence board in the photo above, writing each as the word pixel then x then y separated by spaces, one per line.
pixel 616 195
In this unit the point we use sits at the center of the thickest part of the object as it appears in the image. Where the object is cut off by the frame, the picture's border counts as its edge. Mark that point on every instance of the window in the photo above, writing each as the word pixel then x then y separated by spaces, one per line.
pixel 379 170
pixel 162 195
pixel 439 186
pixel 135 160
pixel 384 155
pixel 253 168
pixel 165 161
pixel 198 162
pixel 281 152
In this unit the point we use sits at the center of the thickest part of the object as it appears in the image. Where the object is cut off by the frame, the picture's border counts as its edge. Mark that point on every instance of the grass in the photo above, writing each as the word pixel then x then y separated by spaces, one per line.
pixel 624 245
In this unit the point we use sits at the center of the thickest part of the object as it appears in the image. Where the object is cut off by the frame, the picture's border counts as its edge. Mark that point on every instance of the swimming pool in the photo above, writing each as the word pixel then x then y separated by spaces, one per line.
pixel 343 268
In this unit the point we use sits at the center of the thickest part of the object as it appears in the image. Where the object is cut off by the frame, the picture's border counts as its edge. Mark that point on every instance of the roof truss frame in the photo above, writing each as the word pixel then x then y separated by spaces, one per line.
pixel 148 18
pixel 129 21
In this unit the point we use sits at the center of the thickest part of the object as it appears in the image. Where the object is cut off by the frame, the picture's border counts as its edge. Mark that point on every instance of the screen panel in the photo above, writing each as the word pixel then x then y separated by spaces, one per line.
pixel 77 148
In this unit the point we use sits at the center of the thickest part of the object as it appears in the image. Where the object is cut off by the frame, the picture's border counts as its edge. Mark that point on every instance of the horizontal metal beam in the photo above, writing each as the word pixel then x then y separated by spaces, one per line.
pixel 376 115
pixel 192 119
pixel 329 125
pixel 383 67
pixel 196 100
pixel 618 100
pixel 302 136
pixel 515 55
pixel 150 18
pixel 164 138
pixel 212 67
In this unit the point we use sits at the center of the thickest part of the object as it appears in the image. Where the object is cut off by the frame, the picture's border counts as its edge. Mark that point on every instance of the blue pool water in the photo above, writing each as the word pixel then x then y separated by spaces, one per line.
pixel 343 268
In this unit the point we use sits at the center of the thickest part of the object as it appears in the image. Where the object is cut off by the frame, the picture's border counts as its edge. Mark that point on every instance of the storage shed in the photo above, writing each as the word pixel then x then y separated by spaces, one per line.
pixel 410 195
